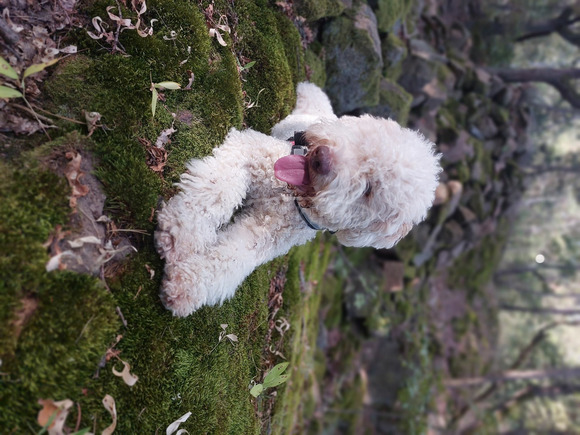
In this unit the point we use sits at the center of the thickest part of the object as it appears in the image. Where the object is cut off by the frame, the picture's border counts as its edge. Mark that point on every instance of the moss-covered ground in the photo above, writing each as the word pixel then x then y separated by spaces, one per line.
pixel 60 332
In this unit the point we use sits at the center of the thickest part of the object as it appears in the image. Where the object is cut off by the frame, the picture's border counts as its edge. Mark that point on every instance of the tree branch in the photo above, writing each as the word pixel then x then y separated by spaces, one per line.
pixel 514 375
pixel 539 310
pixel 558 78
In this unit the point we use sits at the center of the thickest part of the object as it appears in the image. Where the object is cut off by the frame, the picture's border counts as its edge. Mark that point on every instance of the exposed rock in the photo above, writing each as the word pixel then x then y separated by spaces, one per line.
pixel 353 61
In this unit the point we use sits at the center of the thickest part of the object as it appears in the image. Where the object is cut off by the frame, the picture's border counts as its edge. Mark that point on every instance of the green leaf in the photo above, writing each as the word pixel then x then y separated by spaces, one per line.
pixel 277 381
pixel 82 431
pixel 168 85
pixel 249 65
pixel 257 390
pixel 7 70
pixel 6 92
pixel 33 69
pixel 274 374
pixel 154 100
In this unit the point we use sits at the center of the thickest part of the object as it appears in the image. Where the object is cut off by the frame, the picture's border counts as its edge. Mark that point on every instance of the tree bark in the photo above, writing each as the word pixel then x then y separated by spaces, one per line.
pixel 558 78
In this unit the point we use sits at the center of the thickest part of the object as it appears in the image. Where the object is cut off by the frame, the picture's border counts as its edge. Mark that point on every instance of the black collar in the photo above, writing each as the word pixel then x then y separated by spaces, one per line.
pixel 300 147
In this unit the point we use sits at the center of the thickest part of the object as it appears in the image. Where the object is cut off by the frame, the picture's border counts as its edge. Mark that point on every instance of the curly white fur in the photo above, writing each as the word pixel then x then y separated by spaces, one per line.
pixel 370 180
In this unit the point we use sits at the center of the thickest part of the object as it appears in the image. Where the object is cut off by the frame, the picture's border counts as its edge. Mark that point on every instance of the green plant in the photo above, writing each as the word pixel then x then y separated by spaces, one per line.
pixel 272 379
pixel 8 92
pixel 155 95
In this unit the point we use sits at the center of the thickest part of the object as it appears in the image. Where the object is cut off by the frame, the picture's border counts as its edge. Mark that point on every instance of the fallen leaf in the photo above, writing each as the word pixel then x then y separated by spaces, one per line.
pixel 92 118
pixel 154 98
pixel 175 425
pixel 168 85
pixel 213 33
pixel 55 262
pixel 164 137
pixel 77 243
pixel 73 174
pixel 53 415
pixel 7 70
pixel 36 68
pixel 191 79
pixel 150 270
pixel 128 378
pixel 109 404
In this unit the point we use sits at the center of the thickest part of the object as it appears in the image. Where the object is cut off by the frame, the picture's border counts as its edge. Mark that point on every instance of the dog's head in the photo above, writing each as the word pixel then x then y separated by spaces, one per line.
pixel 368 179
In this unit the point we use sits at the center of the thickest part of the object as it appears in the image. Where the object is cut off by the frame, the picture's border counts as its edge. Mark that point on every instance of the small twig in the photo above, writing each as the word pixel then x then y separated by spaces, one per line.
pixel 129 231
pixel 26 109
pixel 118 310
pixel 60 117
pixel 84 329
pixel 78 425
pixel 42 126
pixel 138 291
pixel 103 278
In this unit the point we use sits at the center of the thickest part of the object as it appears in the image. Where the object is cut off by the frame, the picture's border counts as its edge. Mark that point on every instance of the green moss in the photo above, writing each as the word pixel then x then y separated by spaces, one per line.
pixel 313 10
pixel 33 202
pixel 480 262
pixel 394 102
pixel 54 325
pixel 389 11
pixel 301 304
pixel 316 68
pixel 271 82
pixel 394 51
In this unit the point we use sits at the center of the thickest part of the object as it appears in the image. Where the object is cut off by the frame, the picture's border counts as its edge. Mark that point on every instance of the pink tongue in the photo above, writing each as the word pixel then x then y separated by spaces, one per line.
pixel 292 169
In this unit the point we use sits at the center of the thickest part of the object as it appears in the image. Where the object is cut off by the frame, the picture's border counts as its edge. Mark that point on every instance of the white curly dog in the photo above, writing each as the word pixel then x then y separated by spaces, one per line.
pixel 366 179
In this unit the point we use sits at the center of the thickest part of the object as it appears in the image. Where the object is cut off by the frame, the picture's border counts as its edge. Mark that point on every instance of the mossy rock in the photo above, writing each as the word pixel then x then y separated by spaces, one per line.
pixel 390 11
pixel 394 102
pixel 353 60
pixel 315 63
pixel 55 328
pixel 314 10
pixel 394 52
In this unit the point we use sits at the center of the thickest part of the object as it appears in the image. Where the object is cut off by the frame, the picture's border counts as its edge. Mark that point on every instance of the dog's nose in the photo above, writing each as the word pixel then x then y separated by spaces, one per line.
pixel 320 160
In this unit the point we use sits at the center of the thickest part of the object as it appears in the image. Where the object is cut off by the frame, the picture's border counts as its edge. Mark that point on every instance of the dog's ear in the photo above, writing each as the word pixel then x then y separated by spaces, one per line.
pixel 380 235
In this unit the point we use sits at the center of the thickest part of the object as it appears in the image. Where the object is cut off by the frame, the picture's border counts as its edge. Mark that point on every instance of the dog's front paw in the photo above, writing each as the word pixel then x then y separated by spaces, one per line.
pixel 164 243
pixel 180 293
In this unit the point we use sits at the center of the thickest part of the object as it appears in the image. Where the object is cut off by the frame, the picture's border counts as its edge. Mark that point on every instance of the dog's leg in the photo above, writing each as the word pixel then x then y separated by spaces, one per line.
pixel 311 100
pixel 212 277
pixel 211 189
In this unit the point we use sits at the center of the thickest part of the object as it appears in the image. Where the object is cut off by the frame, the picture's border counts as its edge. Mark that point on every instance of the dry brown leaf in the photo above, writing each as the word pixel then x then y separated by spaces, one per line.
pixel 109 404
pixel 73 174
pixel 175 425
pixel 58 409
pixel 126 375
pixel 164 137
pixel 92 118
pixel 150 270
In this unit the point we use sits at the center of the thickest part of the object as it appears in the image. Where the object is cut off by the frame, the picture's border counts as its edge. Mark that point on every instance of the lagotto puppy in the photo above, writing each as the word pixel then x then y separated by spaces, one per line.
pixel 366 179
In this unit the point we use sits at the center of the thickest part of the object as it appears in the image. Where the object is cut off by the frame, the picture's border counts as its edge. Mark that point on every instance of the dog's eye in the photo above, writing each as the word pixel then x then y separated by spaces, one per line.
pixel 368 190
